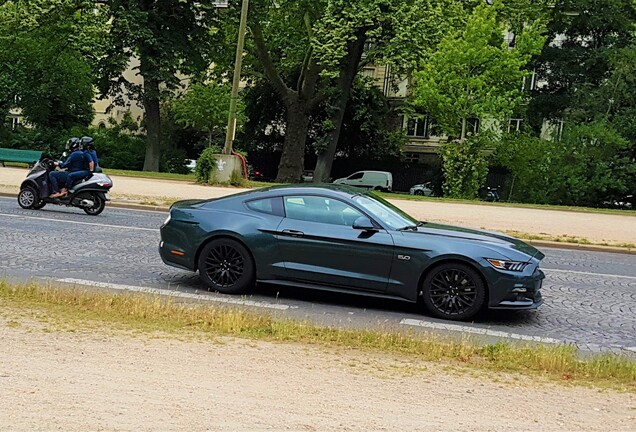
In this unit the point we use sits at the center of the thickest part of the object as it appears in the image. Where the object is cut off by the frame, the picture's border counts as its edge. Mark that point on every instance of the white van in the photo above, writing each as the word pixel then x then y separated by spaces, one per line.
pixel 377 180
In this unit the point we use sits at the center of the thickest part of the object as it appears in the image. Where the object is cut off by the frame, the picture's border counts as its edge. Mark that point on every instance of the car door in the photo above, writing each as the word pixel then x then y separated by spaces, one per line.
pixel 355 179
pixel 319 245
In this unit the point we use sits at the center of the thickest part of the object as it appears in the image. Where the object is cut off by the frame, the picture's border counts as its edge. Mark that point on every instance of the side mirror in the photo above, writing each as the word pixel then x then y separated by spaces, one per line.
pixel 364 223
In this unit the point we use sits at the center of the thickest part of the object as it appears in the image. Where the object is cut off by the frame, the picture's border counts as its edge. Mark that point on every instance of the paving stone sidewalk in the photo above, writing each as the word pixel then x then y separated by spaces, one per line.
pixel 595 227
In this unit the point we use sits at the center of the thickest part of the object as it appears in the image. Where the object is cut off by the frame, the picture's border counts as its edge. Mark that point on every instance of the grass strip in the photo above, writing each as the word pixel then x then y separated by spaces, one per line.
pixel 72 309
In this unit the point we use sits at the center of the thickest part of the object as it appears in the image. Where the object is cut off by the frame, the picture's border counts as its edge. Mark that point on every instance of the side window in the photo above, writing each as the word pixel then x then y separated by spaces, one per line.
pixel 268 205
pixel 356 176
pixel 320 209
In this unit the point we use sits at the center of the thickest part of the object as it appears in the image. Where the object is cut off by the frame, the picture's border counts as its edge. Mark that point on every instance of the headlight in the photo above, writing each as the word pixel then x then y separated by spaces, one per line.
pixel 515 266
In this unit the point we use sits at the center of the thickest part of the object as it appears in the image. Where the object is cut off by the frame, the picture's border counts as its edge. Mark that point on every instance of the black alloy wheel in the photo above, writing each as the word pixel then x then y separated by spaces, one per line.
pixel 226 266
pixel 27 198
pixel 453 291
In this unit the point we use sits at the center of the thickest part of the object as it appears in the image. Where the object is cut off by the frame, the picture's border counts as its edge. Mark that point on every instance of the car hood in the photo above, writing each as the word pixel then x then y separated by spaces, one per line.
pixel 479 235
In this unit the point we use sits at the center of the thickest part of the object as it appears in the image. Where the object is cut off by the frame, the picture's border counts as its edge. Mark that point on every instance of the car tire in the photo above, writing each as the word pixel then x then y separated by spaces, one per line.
pixel 453 291
pixel 226 266
pixel 39 205
pixel 27 198
pixel 419 192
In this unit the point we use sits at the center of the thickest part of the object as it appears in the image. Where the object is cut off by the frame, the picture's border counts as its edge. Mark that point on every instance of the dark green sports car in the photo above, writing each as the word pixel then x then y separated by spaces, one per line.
pixel 344 239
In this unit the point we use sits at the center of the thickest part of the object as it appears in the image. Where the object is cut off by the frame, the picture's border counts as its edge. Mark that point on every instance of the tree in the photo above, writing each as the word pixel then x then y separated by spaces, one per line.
pixel 585 37
pixel 309 52
pixel 397 33
pixel 474 74
pixel 44 69
pixel 169 37
pixel 204 107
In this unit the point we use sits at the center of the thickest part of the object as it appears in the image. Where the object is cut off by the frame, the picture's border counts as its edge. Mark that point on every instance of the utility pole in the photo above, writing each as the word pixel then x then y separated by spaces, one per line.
pixel 231 121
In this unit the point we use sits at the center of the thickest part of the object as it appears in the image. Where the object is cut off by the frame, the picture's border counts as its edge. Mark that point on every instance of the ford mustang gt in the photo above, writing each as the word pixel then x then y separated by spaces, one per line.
pixel 344 239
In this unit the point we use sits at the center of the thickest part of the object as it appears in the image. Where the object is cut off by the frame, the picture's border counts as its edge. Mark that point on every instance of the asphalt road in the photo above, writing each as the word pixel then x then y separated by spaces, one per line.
pixel 590 297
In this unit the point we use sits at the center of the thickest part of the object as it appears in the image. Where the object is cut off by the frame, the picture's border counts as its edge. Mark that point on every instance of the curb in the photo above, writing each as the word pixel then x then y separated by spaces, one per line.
pixel 537 243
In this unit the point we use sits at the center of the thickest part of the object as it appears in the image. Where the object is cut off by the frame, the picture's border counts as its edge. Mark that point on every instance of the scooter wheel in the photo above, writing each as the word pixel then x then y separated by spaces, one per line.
pixel 27 198
pixel 98 205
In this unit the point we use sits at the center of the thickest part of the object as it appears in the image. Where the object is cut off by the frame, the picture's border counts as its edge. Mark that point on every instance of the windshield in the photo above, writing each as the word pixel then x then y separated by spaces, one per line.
pixel 384 211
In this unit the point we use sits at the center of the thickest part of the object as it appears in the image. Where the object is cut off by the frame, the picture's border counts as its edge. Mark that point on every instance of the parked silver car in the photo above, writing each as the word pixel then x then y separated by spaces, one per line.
pixel 424 189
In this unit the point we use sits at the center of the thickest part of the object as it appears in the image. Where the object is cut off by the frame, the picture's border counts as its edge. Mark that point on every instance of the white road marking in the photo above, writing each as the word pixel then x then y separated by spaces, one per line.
pixel 549 270
pixel 479 331
pixel 79 223
pixel 179 294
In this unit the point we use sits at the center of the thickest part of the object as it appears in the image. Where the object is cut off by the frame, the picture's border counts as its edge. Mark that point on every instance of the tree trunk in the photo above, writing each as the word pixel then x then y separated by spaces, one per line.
pixel 152 114
pixel 348 72
pixel 292 161
pixel 462 137
pixel 153 133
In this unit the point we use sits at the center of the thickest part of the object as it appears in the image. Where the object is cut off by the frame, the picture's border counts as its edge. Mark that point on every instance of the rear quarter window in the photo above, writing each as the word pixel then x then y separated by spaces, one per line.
pixel 273 206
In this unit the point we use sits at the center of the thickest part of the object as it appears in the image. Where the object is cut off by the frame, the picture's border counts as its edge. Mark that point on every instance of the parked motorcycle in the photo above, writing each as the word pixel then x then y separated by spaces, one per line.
pixel 90 193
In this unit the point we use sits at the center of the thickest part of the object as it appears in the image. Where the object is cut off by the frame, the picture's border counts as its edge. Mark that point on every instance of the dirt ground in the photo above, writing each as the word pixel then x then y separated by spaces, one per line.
pixel 597 228
pixel 109 380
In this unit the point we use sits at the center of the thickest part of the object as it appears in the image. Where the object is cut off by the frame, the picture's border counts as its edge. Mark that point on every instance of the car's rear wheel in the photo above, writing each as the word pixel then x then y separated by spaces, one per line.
pixel 225 265
pixel 419 192
pixel 453 291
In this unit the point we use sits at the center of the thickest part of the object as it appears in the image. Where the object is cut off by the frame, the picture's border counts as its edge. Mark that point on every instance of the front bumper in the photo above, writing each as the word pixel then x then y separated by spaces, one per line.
pixel 517 292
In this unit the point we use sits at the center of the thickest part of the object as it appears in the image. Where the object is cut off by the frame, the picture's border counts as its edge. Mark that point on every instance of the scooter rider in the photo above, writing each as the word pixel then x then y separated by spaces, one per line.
pixel 76 162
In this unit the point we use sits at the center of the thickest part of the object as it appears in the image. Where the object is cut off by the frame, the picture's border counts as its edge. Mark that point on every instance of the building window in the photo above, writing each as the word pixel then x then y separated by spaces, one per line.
pixel 529 82
pixel 472 126
pixel 514 125
pixel 101 125
pixel 411 157
pixel 511 40
pixel 15 122
pixel 420 127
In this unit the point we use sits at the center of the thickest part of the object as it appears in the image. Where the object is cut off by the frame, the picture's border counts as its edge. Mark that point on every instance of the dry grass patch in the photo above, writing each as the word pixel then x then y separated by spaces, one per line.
pixel 65 309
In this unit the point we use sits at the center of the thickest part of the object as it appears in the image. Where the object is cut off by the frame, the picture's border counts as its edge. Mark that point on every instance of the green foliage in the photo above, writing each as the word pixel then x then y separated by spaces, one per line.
pixel 237 179
pixel 206 165
pixel 46 53
pixel 576 69
pixel 588 166
pixel 474 74
pixel 465 166
pixel 204 107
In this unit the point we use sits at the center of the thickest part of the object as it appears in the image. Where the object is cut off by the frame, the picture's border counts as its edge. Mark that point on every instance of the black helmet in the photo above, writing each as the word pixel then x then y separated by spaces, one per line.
pixel 73 144
pixel 88 143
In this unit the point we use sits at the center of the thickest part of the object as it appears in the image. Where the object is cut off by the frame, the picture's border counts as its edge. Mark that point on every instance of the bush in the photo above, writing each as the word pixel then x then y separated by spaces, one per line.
pixel 206 165
pixel 465 166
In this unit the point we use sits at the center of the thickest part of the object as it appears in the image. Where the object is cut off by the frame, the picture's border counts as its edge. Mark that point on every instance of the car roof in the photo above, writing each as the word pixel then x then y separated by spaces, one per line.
pixel 329 189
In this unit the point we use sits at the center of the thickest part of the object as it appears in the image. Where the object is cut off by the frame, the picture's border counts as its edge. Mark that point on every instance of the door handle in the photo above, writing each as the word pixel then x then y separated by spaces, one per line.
pixel 293 233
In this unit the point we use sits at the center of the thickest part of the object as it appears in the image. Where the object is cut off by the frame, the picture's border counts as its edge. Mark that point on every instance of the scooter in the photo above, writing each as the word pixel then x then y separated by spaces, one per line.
pixel 90 193
pixel 493 194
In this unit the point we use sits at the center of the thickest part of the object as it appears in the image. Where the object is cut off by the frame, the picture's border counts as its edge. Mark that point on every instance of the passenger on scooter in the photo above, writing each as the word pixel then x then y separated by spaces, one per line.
pixel 91 162
pixel 88 144
pixel 76 162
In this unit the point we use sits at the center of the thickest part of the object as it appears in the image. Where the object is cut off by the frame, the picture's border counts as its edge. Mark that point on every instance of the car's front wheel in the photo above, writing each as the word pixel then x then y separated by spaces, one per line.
pixel 453 291
pixel 225 265
pixel 419 192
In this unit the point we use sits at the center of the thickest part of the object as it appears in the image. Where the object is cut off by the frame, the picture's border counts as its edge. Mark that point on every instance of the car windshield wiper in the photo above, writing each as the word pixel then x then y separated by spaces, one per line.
pixel 421 223
pixel 408 228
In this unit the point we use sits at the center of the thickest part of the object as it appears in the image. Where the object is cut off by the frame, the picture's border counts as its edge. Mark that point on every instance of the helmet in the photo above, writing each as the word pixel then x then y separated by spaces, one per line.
pixel 73 144
pixel 88 143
